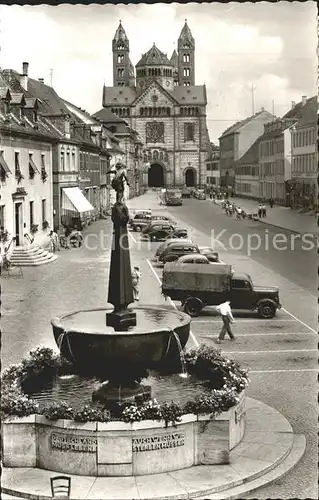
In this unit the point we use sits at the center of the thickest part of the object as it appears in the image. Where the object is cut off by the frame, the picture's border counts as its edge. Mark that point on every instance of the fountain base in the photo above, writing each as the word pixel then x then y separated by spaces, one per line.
pixel 111 392
pixel 121 320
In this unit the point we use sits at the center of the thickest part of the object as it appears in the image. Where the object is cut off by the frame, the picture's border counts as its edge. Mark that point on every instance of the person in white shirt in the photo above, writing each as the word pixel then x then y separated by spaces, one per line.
pixel 227 317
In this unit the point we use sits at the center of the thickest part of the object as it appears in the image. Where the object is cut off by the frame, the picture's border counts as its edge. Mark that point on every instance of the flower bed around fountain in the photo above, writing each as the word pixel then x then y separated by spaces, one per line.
pixel 143 438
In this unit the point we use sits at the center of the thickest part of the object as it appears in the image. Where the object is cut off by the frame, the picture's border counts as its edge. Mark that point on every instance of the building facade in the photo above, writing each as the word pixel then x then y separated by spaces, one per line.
pixel 247 180
pixel 236 141
pixel 303 188
pixel 26 144
pixel 213 168
pixel 165 107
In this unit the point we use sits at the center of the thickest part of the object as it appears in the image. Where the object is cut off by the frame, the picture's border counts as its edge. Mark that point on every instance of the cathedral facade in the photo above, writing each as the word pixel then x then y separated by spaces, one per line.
pixel 160 101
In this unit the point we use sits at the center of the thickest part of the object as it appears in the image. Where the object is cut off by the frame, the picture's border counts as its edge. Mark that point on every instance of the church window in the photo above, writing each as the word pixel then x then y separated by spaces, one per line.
pixel 120 72
pixel 186 46
pixel 149 156
pixel 127 111
pixel 186 71
pixel 189 132
pixel 120 46
pixel 120 58
pixel 120 112
pixel 186 58
pixel 168 112
pixel 161 156
pixel 155 132
pixel 155 155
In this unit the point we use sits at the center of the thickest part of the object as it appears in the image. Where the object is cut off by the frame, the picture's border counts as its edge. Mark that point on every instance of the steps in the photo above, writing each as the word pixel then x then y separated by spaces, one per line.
pixel 31 255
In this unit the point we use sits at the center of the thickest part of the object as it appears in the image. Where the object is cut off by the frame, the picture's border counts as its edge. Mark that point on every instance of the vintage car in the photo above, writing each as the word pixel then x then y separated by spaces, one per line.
pixel 210 253
pixel 199 285
pixel 158 231
pixel 195 258
pixel 163 219
pixel 175 250
pixel 166 243
pixel 139 221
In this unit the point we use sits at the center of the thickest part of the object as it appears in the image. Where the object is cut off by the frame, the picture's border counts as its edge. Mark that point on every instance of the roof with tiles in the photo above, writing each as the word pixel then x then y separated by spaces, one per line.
pixel 44 130
pixel 195 94
pixel 154 56
pixel 174 58
pixel 306 114
pixel 251 156
pixel 105 115
pixel 186 33
pixel 118 95
pixel 238 125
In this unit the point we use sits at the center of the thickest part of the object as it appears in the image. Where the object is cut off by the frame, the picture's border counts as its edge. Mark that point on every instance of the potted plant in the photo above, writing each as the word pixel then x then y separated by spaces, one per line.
pixel 34 228
pixel 45 224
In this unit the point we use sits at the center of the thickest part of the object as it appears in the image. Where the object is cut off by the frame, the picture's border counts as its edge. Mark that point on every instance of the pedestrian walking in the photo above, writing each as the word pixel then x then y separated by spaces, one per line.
pixel 260 210
pixel 238 213
pixel 136 276
pixel 271 202
pixel 227 317
pixel 54 241
pixel 264 210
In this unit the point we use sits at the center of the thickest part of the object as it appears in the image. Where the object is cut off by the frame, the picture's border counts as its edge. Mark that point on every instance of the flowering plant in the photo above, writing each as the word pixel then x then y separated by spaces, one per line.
pixel 14 402
pixel 171 412
pixel 90 414
pixel 151 410
pixel 131 413
pixel 58 410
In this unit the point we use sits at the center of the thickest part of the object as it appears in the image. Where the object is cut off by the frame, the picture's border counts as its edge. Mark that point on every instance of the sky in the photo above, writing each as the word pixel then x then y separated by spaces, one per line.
pixel 270 48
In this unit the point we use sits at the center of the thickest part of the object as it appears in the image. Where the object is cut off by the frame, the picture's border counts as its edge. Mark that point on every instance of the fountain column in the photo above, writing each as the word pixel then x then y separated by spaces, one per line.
pixel 120 292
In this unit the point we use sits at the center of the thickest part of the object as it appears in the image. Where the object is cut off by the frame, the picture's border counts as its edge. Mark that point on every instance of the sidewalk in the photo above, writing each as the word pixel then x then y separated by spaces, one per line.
pixel 281 217
pixel 268 450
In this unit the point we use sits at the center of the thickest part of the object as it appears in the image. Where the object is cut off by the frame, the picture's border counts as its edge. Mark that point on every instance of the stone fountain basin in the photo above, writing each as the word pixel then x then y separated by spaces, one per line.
pixel 88 341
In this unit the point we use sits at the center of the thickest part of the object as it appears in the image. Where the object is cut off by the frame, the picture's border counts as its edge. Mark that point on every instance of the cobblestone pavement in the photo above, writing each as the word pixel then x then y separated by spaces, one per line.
pixel 282 353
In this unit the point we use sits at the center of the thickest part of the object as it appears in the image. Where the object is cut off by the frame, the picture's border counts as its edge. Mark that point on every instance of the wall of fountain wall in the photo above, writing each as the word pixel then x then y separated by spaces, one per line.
pixel 121 449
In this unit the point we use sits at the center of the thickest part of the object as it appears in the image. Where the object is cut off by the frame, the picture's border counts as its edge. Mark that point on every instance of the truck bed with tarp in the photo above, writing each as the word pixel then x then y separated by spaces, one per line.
pixel 181 281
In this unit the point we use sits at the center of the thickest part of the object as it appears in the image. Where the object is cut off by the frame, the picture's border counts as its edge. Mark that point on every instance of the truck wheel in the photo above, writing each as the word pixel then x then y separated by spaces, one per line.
pixel 266 310
pixel 193 307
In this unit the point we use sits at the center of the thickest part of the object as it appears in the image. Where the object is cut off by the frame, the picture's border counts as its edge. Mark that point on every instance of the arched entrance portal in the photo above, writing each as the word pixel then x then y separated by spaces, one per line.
pixel 190 177
pixel 156 175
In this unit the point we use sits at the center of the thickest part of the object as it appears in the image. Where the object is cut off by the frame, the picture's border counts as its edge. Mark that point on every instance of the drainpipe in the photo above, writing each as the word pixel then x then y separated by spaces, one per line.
pixel 199 146
pixel 174 137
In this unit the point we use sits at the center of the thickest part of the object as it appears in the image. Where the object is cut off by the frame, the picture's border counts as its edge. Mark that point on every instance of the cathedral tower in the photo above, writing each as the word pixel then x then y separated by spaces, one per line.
pixel 123 70
pixel 186 57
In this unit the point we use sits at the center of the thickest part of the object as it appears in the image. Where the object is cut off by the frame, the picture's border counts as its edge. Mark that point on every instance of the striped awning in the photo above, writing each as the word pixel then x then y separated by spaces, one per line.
pixel 33 165
pixel 74 199
pixel 4 165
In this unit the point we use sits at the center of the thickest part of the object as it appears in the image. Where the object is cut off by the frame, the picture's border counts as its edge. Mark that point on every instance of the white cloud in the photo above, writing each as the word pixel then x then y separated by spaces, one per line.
pixel 235 47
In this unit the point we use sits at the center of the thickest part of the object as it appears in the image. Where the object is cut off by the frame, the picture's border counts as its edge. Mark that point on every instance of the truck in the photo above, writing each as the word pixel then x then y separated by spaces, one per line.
pixel 199 285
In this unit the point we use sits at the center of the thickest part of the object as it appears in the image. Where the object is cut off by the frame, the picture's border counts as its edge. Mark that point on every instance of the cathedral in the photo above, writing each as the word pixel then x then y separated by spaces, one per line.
pixel 160 101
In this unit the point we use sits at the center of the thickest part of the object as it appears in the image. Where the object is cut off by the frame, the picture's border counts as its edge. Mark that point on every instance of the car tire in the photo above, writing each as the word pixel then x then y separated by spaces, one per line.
pixel 193 307
pixel 138 229
pixel 266 309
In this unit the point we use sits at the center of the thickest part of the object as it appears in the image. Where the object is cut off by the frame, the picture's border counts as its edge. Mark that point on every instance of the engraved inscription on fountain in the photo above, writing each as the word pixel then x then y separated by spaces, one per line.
pixel 158 442
pixel 65 442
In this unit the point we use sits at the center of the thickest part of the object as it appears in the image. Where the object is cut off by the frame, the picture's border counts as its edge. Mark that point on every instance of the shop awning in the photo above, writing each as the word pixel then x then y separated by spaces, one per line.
pixel 4 165
pixel 74 199
pixel 33 165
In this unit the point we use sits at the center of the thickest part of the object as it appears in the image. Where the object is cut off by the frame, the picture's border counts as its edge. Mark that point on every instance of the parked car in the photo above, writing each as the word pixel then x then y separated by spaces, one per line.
pixel 174 202
pixel 163 219
pixel 195 258
pixel 156 232
pixel 139 221
pixel 210 253
pixel 175 250
pixel 179 233
pixel 186 192
pixel 166 243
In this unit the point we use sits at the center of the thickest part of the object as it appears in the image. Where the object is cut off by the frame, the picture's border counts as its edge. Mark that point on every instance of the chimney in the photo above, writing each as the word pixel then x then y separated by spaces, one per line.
pixel 293 104
pixel 41 80
pixel 304 99
pixel 24 76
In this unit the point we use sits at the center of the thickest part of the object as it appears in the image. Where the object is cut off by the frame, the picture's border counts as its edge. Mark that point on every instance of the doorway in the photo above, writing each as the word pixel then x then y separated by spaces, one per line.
pixel 190 177
pixel 18 223
pixel 156 175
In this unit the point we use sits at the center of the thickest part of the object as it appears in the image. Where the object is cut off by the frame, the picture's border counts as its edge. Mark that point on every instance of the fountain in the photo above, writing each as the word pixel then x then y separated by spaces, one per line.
pixel 119 343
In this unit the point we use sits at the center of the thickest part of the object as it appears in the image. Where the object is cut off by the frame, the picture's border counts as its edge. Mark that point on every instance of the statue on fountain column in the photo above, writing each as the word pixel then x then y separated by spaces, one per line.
pixel 118 181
